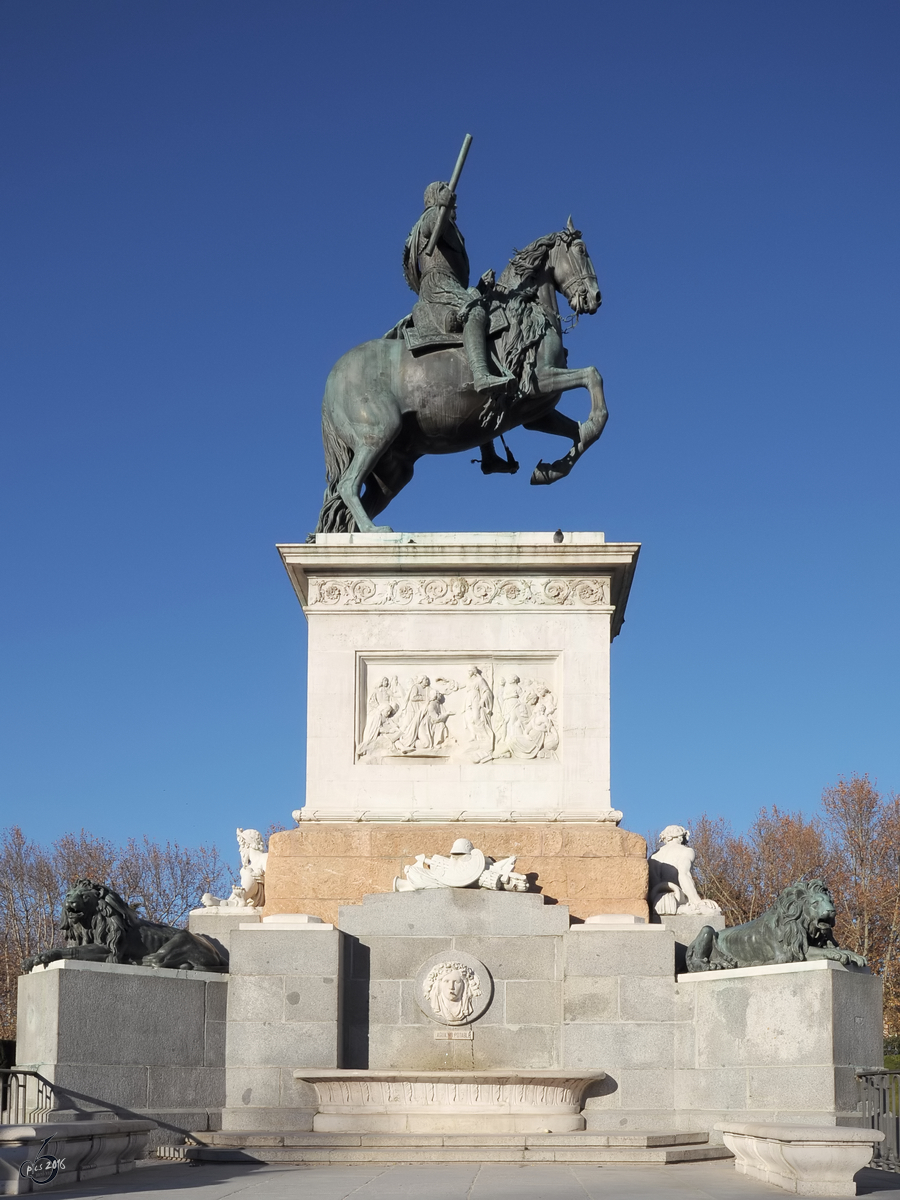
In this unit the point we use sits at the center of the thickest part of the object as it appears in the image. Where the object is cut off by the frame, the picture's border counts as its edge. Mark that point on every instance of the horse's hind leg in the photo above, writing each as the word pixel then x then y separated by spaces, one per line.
pixel 393 473
pixel 366 458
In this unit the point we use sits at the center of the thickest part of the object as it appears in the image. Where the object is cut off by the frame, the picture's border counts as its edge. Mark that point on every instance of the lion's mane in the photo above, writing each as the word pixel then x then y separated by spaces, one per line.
pixel 792 920
pixel 109 925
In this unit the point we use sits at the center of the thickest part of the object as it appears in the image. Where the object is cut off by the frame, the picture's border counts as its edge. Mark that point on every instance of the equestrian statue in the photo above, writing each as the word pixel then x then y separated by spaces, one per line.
pixel 463 368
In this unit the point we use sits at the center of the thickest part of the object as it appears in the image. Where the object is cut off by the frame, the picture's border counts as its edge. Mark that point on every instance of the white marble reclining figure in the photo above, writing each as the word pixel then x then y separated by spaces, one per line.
pixel 465 867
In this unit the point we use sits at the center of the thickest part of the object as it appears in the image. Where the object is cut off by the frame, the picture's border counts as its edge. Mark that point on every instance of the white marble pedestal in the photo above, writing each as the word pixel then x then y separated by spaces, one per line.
pixel 459 675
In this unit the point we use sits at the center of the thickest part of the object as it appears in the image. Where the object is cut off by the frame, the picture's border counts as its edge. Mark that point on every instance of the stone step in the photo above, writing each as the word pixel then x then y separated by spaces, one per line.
pixel 288 1147
pixel 231 1138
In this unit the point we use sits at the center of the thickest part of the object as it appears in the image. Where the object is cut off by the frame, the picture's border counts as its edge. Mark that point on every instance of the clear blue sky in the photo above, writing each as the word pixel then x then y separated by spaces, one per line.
pixel 204 206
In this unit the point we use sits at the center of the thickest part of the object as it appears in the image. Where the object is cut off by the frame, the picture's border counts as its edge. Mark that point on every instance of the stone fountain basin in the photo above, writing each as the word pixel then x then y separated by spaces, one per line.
pixel 449 1101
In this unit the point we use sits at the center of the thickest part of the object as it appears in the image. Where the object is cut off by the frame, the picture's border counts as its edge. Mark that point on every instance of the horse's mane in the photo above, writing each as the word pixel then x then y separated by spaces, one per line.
pixel 525 263
pixel 109 925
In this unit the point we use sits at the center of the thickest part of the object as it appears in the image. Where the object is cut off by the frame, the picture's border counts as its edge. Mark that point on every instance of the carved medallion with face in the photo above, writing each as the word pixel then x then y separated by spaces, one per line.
pixel 454 991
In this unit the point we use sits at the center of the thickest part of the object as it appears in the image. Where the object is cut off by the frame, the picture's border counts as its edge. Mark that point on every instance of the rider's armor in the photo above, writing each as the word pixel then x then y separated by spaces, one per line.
pixel 446 304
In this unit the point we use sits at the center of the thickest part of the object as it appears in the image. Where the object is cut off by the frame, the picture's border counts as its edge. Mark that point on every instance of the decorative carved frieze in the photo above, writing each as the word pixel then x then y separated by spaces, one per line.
pixel 481 591
pixel 485 1094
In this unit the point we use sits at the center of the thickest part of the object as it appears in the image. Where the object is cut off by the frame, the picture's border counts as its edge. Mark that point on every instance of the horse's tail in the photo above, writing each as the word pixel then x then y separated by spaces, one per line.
pixel 335 516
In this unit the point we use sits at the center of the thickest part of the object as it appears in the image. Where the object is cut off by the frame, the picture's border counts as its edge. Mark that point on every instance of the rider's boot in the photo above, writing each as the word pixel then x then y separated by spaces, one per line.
pixel 475 342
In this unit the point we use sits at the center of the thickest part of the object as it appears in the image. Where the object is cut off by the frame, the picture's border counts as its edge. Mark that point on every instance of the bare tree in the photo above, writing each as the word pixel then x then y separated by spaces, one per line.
pixel 853 843
pixel 164 881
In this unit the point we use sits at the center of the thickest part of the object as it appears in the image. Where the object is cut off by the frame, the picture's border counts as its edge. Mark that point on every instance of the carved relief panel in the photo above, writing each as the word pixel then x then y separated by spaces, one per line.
pixel 477 709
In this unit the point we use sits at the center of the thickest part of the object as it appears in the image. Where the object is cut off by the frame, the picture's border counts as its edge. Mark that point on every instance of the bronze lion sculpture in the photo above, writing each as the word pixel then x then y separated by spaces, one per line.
pixel 798 927
pixel 100 927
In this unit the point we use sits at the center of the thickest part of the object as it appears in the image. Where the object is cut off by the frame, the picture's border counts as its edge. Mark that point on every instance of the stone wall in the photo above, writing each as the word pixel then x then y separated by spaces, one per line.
pixel 517 937
pixel 284 1005
pixel 777 1043
pixel 591 868
pixel 139 1041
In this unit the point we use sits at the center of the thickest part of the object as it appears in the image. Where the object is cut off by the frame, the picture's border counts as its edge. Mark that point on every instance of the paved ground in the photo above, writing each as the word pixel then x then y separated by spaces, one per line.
pixel 493 1181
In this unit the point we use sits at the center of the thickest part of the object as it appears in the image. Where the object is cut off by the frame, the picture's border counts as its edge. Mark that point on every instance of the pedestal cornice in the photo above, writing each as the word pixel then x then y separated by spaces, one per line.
pixel 428 572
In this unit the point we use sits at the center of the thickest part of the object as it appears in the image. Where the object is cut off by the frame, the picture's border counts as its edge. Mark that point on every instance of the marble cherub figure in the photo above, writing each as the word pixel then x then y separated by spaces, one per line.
pixel 672 888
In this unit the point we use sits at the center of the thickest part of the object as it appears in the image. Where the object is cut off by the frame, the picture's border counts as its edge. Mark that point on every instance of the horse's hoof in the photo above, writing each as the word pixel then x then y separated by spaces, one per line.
pixel 547 473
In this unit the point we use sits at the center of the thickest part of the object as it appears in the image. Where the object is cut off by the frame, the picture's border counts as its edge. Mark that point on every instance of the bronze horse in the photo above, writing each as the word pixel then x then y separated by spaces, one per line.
pixel 385 406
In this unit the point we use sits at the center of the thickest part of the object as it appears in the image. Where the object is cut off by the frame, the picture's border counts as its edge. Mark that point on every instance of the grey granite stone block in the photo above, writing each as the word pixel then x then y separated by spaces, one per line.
pixel 188 1087
pixel 311 998
pixel 114 1085
pixel 91 1028
pixel 533 1002
pixel 261 1044
pixel 515 957
pixel 401 957
pixel 219 926
pixel 685 1002
pixel 253 1086
pixel 256 998
pixel 779 1018
pixel 413 1047
pixel 646 998
pixel 627 952
pixel 384 1002
pixel 285 952
pixel 857 1009
pixel 591 998
pixel 646 1120
pixel 263 1120
pixel 442 912
pixel 588 1047
pixel 38 1017
pixel 786 1088
pixel 650 1087
pixel 214 1044
pixel 685 1045
pixel 216 1001
pixel 723 1089
pixel 528 1047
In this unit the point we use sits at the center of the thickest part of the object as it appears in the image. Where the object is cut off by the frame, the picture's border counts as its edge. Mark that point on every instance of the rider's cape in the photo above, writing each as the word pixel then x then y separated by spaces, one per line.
pixel 411 272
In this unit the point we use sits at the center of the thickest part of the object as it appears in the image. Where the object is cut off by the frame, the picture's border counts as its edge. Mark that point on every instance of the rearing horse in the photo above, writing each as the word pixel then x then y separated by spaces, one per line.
pixel 385 407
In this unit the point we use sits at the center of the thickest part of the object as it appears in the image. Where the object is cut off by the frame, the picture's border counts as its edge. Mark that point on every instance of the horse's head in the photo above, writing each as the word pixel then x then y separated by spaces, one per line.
pixel 573 272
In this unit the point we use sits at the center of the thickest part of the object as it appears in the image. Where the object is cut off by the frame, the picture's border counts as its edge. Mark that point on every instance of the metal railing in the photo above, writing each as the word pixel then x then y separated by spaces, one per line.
pixel 880 1105
pixel 25 1097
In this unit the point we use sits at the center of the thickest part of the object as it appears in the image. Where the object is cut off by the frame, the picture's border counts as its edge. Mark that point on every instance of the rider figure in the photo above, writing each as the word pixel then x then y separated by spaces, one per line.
pixel 441 281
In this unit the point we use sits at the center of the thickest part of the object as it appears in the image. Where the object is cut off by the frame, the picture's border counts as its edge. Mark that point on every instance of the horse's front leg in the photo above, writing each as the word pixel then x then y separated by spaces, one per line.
pixel 560 379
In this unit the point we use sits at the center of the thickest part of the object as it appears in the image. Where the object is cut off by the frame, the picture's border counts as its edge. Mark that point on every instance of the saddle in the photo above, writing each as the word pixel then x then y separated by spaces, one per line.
pixel 422 335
